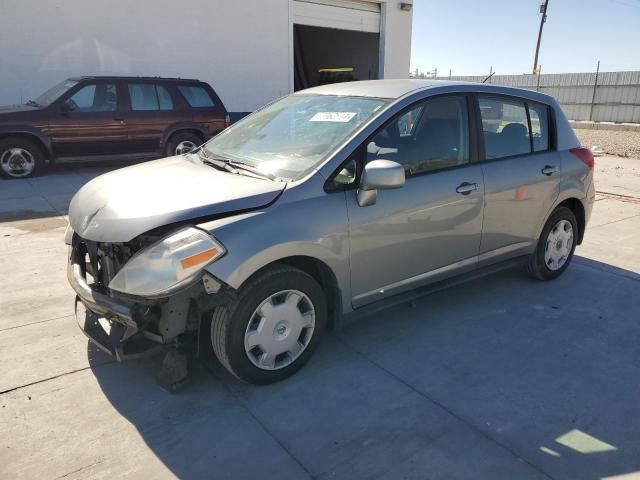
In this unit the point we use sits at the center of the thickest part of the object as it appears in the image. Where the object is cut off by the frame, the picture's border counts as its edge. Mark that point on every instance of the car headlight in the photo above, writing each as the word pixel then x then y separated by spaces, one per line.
pixel 167 264
pixel 68 235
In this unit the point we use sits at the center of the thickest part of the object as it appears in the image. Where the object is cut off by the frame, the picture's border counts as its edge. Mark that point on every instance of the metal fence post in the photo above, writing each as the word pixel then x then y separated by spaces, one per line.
pixel 595 86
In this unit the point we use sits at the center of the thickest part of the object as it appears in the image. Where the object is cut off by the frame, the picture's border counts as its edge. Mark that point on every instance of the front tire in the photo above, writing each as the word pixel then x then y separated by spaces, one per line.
pixel 273 326
pixel 20 158
pixel 556 245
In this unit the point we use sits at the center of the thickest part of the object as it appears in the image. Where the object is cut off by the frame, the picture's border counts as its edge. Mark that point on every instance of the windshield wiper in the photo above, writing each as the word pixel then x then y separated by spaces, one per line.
pixel 32 103
pixel 232 165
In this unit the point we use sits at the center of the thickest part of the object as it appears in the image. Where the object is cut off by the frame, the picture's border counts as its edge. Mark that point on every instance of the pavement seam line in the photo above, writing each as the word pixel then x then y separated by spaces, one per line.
pixel 35 323
pixel 56 376
pixel 263 426
pixel 613 221
pixel 444 408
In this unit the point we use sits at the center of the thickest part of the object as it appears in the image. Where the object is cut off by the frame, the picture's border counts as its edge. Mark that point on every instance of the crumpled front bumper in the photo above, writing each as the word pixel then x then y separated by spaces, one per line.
pixel 115 327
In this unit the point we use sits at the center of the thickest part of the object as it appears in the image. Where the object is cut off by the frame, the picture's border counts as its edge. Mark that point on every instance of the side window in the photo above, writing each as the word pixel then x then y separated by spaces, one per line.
pixel 539 116
pixel 96 97
pixel 148 96
pixel 505 127
pixel 432 136
pixel 164 99
pixel 196 96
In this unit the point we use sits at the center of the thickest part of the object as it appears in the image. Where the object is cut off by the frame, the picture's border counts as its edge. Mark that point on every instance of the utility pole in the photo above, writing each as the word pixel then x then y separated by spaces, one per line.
pixel 543 10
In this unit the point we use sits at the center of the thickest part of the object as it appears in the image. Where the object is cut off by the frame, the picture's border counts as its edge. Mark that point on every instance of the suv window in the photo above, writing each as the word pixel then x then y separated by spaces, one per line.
pixel 196 96
pixel 96 97
pixel 539 116
pixel 149 96
pixel 505 127
pixel 431 136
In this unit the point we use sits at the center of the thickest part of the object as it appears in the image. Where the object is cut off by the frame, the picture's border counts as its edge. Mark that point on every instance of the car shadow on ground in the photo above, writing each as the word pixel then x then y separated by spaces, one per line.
pixel 464 382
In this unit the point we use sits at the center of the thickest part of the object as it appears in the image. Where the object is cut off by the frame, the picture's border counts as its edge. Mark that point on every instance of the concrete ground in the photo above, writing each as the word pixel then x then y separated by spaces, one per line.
pixel 501 378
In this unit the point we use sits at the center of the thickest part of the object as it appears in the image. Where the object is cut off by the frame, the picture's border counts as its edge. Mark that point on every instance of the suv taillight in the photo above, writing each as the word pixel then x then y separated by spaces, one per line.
pixel 227 120
pixel 585 155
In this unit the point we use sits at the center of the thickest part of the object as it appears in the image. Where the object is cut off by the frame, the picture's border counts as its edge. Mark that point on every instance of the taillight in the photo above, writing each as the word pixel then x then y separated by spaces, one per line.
pixel 585 155
pixel 227 120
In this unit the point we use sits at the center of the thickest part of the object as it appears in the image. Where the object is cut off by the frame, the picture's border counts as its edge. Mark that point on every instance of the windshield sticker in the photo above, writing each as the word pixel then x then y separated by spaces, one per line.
pixel 333 117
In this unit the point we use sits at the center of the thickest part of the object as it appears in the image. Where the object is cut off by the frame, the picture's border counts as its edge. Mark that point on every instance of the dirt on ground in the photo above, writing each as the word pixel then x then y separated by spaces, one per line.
pixel 624 144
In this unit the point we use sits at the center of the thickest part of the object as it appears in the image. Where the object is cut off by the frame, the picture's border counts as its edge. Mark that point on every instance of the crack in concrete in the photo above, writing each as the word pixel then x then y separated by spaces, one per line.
pixel 35 323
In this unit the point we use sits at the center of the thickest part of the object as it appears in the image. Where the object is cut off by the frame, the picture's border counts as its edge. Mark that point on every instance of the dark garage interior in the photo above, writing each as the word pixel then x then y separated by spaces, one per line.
pixel 317 48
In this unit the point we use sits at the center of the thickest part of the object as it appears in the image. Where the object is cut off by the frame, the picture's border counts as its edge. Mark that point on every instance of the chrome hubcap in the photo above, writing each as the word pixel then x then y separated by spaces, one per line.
pixel 559 245
pixel 279 330
pixel 17 162
pixel 185 147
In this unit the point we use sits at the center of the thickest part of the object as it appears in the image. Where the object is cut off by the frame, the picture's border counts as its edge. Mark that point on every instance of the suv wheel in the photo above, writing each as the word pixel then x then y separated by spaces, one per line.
pixel 20 158
pixel 272 328
pixel 555 246
pixel 181 143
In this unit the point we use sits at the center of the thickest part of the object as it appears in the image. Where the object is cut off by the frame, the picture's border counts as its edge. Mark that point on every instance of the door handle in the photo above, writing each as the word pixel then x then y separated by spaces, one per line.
pixel 466 188
pixel 549 170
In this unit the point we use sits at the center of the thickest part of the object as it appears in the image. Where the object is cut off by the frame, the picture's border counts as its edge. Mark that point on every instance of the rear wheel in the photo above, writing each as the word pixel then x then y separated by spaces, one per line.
pixel 182 142
pixel 555 246
pixel 20 158
pixel 272 328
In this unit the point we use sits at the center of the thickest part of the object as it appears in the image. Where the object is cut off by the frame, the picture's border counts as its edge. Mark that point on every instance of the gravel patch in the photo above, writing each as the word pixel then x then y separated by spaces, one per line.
pixel 624 144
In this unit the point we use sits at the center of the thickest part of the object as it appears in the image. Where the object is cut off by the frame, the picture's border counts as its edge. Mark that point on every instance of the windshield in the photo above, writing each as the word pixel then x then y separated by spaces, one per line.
pixel 293 135
pixel 51 95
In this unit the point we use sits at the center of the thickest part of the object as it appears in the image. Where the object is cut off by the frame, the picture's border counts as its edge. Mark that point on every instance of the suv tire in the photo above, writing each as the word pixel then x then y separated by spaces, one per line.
pixel 273 308
pixel 179 143
pixel 20 158
pixel 555 247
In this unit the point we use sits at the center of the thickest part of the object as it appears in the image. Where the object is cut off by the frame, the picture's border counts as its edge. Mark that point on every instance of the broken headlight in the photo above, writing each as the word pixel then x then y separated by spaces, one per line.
pixel 168 263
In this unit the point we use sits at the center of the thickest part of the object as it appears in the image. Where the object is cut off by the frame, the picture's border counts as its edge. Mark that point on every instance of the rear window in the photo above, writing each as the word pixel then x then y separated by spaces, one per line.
pixel 149 96
pixel 539 115
pixel 196 96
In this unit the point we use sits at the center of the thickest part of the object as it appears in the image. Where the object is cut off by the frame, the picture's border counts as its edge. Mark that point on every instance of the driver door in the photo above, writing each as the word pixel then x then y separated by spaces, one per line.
pixel 95 125
pixel 431 227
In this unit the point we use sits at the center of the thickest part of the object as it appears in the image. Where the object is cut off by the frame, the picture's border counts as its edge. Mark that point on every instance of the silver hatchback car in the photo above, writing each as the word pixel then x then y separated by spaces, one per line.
pixel 321 204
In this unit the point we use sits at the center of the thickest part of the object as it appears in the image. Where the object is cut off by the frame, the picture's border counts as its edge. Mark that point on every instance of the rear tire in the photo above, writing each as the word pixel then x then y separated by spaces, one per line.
pixel 235 328
pixel 20 158
pixel 181 143
pixel 555 247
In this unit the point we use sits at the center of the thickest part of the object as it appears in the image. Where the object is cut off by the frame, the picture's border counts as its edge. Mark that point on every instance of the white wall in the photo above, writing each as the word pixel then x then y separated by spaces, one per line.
pixel 240 47
pixel 395 40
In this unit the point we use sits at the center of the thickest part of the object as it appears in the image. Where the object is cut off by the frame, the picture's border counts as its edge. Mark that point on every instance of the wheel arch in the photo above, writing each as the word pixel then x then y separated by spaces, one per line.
pixel 320 271
pixel 41 142
pixel 577 207
pixel 177 129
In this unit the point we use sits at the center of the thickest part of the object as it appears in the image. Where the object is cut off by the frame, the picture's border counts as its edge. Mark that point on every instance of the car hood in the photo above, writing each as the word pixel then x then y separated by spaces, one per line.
pixel 6 110
pixel 120 205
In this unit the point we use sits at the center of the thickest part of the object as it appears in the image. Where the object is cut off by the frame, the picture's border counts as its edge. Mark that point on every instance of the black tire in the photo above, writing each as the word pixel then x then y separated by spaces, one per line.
pixel 229 324
pixel 177 138
pixel 32 148
pixel 536 266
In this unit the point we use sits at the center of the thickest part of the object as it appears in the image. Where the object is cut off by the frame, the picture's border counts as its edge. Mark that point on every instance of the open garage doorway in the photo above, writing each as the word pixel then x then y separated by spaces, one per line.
pixel 328 55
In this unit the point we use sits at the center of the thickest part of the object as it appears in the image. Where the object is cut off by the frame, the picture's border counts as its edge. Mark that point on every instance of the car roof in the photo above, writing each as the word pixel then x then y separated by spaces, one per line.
pixel 118 77
pixel 396 88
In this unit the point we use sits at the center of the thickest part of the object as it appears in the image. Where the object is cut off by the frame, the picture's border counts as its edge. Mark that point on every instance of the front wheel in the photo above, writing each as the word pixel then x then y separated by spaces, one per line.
pixel 555 246
pixel 272 328
pixel 20 158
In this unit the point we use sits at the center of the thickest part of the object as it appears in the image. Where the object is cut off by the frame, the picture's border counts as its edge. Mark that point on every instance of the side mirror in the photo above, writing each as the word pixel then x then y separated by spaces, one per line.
pixel 379 175
pixel 68 106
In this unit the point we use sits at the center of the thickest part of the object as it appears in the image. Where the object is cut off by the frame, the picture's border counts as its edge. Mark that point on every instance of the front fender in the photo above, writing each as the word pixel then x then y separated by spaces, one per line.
pixel 297 225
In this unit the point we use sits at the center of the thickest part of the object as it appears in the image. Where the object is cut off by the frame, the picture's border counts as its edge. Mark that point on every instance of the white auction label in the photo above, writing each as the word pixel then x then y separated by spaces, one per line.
pixel 332 117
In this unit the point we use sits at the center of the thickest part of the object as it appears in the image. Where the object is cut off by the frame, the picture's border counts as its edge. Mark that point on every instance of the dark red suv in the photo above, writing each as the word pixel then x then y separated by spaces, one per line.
pixel 108 117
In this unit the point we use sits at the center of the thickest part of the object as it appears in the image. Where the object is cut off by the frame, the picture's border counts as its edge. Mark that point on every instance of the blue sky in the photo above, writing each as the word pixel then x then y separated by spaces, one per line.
pixel 469 36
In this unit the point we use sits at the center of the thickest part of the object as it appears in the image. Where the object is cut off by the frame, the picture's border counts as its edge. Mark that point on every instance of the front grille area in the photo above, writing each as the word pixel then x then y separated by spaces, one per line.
pixel 102 261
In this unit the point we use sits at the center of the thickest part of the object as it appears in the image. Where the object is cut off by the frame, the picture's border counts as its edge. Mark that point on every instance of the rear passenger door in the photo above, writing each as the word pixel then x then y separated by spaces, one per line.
pixel 521 174
pixel 152 111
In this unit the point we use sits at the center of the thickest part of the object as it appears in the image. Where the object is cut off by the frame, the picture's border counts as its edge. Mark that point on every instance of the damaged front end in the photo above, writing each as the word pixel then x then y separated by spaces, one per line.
pixel 131 325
